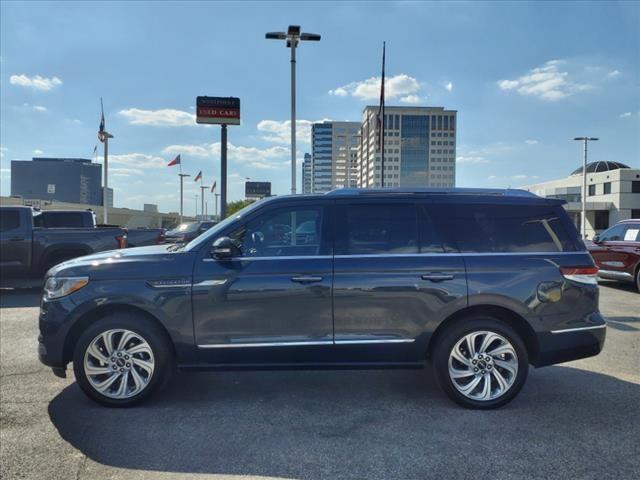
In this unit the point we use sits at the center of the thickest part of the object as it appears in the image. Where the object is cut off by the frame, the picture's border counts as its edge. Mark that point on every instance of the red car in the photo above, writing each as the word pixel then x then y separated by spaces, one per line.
pixel 616 252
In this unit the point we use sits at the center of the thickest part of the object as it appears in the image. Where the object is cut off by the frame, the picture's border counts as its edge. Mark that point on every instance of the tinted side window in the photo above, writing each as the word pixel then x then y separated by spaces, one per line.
pixel 63 220
pixel 429 238
pixel 509 228
pixel 293 231
pixel 9 220
pixel 377 229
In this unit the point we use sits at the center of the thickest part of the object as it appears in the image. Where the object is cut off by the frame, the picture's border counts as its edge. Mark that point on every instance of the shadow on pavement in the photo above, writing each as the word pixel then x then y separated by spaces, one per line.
pixel 359 424
pixel 622 286
pixel 20 298
pixel 622 323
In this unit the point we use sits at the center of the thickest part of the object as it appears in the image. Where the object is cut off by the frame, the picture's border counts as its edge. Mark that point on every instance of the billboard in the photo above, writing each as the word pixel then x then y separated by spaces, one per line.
pixel 218 110
pixel 257 189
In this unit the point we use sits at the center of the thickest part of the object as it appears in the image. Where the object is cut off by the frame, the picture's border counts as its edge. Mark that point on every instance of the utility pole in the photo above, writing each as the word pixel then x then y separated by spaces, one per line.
pixel 216 195
pixel 202 189
pixel 223 171
pixel 182 175
pixel 293 37
pixel 583 219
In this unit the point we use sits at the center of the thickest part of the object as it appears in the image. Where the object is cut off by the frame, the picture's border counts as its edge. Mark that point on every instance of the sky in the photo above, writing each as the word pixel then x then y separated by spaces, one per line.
pixel 524 77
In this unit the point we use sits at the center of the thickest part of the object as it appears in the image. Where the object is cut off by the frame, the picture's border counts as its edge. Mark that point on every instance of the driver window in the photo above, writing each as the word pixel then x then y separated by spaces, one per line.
pixel 614 234
pixel 282 232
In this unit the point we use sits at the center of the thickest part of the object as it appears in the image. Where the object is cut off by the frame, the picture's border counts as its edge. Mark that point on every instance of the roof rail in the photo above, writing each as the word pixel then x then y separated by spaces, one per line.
pixel 510 192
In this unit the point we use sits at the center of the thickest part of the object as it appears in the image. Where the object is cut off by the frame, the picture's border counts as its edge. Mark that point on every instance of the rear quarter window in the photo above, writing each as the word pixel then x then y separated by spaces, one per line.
pixel 509 228
pixel 9 220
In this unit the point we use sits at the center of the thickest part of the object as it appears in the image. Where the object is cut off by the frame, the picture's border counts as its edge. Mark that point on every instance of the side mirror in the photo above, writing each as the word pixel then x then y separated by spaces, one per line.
pixel 223 248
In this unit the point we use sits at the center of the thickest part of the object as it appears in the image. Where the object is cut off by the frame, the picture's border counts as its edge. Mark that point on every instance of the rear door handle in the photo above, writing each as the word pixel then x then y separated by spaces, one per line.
pixel 306 279
pixel 437 276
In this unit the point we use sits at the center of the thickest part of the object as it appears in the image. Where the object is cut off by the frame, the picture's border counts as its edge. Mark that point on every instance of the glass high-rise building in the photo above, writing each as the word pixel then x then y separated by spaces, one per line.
pixel 333 159
pixel 419 148
pixel 306 174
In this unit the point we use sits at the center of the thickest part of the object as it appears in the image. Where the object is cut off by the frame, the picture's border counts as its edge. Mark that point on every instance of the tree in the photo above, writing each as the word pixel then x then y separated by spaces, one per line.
pixel 235 207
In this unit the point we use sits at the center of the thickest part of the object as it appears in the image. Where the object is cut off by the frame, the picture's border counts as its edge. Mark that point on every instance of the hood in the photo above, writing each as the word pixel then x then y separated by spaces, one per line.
pixel 140 262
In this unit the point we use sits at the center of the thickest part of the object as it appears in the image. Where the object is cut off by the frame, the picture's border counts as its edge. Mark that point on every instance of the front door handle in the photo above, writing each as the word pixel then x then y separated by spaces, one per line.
pixel 306 279
pixel 437 276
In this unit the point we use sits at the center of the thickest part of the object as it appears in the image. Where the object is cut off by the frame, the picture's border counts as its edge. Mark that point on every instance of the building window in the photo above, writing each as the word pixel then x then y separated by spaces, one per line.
pixel 607 188
pixel 601 219
pixel 635 186
pixel 592 190
pixel 635 213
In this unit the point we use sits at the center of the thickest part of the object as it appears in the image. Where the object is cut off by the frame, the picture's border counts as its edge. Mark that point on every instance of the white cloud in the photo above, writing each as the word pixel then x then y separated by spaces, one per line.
pixel 125 172
pixel 138 161
pixel 401 85
pixel 614 73
pixel 38 152
pixel 547 82
pixel 37 82
pixel 448 86
pixel 625 115
pixel 531 142
pixel 2 150
pixel 166 117
pixel 280 131
pixel 256 157
pixel 39 108
pixel 411 99
pixel 471 159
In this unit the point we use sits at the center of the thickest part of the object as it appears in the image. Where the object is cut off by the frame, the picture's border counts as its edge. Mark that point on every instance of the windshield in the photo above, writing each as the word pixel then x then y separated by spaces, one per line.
pixel 184 228
pixel 213 231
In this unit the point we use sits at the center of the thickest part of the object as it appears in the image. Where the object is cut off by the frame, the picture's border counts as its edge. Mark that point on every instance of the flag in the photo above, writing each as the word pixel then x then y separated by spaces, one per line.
pixel 175 161
pixel 198 176
pixel 380 122
pixel 95 149
pixel 101 132
pixel 213 187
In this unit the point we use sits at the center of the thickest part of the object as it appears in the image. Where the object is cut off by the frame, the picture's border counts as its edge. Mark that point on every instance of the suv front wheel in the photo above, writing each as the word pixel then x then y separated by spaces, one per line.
pixel 481 363
pixel 121 359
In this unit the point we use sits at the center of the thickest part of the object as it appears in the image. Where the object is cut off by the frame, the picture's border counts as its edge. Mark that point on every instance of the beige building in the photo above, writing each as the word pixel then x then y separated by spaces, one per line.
pixel 333 161
pixel 419 148
pixel 613 194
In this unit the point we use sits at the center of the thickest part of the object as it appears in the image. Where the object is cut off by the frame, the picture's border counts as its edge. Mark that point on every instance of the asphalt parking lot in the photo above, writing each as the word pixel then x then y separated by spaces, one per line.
pixel 576 420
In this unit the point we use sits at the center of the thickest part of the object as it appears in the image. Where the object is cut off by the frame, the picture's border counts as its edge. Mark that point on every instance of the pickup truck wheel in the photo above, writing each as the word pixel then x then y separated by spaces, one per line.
pixel 481 363
pixel 638 279
pixel 121 359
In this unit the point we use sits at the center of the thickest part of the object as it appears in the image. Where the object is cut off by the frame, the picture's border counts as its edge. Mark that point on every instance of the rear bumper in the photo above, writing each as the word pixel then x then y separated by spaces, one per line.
pixel 569 344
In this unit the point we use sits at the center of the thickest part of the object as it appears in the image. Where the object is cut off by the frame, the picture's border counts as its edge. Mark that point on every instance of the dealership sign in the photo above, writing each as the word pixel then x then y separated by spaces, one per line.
pixel 257 189
pixel 218 110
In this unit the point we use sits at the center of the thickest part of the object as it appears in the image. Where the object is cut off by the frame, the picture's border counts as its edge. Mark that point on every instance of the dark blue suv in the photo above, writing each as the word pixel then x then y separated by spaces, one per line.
pixel 478 283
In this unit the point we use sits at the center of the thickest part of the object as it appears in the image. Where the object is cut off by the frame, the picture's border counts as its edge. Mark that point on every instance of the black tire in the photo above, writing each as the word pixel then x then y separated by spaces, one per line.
pixel 453 334
pixel 146 329
pixel 638 279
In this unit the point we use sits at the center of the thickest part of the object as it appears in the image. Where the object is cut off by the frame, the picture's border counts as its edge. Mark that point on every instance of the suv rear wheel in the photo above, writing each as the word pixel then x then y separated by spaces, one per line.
pixel 481 363
pixel 121 359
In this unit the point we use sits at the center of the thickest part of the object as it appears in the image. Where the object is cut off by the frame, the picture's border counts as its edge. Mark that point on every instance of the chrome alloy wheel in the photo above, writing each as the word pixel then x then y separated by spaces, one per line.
pixel 483 365
pixel 118 363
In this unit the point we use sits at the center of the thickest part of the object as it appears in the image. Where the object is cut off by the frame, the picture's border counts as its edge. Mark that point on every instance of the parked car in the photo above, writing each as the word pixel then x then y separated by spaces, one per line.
pixel 185 232
pixel 142 237
pixel 480 283
pixel 616 252
pixel 27 251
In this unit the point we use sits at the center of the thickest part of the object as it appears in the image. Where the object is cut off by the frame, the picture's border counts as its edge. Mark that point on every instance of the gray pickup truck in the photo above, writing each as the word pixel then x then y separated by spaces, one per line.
pixel 27 251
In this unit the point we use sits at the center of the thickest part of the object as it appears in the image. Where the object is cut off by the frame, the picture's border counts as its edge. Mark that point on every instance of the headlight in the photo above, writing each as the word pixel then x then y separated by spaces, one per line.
pixel 57 287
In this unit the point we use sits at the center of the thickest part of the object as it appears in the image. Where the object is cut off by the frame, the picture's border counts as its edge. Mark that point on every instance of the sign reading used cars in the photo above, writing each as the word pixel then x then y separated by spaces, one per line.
pixel 218 110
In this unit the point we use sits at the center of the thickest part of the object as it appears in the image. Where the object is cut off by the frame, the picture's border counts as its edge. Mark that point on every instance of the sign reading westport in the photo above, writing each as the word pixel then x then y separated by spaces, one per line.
pixel 218 110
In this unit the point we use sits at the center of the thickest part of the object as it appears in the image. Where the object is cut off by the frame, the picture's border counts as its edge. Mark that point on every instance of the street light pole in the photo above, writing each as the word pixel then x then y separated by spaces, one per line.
pixel 105 208
pixel 182 175
pixel 583 219
pixel 293 37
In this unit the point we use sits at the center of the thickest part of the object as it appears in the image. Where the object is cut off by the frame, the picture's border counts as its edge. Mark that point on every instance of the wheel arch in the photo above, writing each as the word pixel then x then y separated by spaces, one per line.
pixel 511 318
pixel 94 315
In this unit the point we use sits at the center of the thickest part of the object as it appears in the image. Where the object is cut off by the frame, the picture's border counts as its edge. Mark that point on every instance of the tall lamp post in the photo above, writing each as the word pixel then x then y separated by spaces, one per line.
pixel 292 37
pixel 583 219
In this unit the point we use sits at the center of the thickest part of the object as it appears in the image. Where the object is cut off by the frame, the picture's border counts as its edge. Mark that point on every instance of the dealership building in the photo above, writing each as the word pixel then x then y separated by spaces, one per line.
pixel 613 194
pixel 73 180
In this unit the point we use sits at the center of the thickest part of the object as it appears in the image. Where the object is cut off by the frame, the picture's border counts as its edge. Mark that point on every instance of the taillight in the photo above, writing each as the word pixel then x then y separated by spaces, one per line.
pixel 122 241
pixel 581 274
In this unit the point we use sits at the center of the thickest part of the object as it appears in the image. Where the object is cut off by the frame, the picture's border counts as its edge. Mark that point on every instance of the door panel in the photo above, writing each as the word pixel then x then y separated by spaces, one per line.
pixel 15 244
pixel 274 294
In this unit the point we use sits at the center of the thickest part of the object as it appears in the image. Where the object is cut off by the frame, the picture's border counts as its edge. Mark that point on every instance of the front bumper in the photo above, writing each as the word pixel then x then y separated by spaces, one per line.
pixel 55 322
pixel 569 344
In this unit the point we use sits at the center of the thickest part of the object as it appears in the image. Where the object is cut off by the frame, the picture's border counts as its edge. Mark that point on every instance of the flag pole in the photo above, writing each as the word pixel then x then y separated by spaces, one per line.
pixel 382 121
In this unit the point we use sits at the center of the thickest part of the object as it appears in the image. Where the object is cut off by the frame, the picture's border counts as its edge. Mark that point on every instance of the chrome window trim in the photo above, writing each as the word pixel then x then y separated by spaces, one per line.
pixel 284 257
pixel 210 283
pixel 305 343
pixel 579 329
